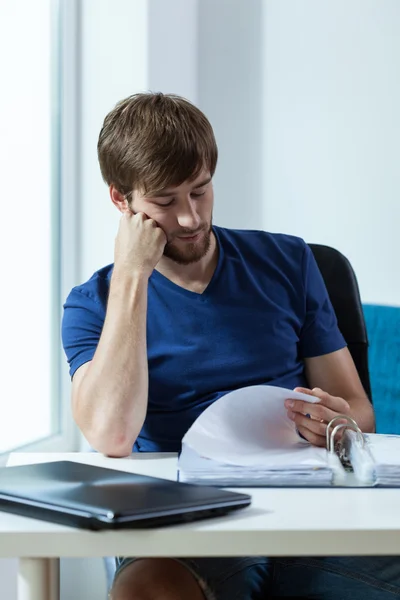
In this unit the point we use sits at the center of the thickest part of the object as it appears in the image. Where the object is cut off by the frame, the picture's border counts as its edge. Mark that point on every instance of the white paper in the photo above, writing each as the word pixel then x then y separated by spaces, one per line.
pixel 250 427
pixel 385 449
pixel 377 460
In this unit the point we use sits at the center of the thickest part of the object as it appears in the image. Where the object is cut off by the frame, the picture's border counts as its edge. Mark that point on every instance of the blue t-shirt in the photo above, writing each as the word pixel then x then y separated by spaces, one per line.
pixel 265 309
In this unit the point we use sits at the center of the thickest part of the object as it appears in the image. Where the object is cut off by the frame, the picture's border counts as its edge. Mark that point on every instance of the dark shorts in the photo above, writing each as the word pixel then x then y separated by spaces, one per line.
pixel 258 578
pixel 221 578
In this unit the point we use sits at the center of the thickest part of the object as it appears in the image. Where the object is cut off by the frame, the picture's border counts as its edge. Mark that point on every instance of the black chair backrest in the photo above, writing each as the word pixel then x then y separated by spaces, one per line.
pixel 342 286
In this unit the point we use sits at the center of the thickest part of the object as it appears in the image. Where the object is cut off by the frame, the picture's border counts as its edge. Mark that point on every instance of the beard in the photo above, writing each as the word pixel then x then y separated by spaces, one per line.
pixel 191 252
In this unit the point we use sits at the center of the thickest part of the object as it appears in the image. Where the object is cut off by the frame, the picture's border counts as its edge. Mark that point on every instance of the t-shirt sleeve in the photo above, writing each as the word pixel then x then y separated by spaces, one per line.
pixel 82 324
pixel 320 333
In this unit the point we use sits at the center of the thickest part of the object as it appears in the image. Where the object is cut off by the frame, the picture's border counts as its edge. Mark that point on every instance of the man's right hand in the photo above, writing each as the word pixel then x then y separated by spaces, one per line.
pixel 139 244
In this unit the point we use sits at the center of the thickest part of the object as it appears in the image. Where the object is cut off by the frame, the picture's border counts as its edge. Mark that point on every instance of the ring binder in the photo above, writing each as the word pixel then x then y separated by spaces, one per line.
pixel 330 446
pixel 245 439
pixel 330 437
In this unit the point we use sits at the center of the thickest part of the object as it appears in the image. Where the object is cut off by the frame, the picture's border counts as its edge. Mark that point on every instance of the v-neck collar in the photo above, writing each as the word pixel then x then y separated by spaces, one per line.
pixel 159 277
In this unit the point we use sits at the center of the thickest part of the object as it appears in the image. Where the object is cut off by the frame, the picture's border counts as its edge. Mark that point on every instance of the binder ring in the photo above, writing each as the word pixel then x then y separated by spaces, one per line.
pixel 351 424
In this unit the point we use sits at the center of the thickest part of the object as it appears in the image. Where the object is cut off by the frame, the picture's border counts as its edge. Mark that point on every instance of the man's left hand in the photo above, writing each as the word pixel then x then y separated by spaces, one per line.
pixel 312 418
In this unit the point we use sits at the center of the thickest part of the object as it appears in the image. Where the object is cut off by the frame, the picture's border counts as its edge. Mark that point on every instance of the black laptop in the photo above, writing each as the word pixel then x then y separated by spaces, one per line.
pixel 92 497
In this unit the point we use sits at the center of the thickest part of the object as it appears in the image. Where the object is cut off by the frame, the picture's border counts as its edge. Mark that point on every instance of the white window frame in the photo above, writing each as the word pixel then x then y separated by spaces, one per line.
pixel 65 218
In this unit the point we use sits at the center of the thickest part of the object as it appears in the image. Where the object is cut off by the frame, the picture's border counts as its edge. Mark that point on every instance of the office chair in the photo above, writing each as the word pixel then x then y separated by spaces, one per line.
pixel 342 286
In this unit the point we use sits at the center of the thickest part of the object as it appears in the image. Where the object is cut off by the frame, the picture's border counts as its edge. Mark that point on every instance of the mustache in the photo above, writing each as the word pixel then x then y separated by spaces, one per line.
pixel 189 232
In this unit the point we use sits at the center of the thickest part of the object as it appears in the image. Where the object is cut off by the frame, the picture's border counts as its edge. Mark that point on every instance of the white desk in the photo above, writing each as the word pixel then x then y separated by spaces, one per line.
pixel 280 522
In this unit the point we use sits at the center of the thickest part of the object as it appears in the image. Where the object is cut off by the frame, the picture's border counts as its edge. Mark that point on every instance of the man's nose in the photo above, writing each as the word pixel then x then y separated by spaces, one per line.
pixel 188 217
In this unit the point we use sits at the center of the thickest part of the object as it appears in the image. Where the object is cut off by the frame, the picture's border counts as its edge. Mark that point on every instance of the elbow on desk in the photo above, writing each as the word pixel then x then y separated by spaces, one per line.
pixel 112 448
pixel 113 445
pixel 115 440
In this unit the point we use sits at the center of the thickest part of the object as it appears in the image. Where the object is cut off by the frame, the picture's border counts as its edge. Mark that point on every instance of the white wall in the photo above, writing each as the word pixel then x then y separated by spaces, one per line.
pixel 230 93
pixel 332 131
pixel 173 47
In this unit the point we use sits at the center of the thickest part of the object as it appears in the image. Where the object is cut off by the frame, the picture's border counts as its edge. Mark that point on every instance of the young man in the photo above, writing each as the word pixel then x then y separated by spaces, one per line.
pixel 188 312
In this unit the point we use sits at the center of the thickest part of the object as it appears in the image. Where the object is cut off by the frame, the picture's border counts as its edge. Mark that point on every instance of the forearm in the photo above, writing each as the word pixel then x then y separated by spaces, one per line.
pixel 336 374
pixel 363 413
pixel 111 401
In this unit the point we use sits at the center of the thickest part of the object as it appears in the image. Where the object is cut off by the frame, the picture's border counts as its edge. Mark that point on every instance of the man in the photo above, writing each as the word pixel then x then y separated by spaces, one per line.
pixel 188 312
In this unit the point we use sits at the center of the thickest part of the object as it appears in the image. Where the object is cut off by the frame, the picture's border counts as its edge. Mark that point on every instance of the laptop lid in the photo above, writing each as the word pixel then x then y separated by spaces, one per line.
pixel 87 496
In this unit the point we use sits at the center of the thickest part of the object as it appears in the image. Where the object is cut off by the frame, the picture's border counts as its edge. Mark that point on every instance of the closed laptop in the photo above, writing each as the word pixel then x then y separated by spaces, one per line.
pixel 93 497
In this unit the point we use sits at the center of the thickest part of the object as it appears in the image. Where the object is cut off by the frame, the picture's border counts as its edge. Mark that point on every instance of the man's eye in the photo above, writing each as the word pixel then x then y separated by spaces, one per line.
pixel 167 204
pixel 198 194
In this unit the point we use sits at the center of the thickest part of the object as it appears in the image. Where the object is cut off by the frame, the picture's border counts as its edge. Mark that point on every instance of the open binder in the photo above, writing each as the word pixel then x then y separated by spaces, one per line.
pixel 245 439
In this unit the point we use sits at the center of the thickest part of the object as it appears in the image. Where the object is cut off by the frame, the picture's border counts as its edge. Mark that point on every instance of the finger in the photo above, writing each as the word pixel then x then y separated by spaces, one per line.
pixel 313 438
pixel 317 427
pixel 314 425
pixel 335 403
pixel 304 391
pixel 140 216
pixel 300 404
pixel 317 412
pixel 126 213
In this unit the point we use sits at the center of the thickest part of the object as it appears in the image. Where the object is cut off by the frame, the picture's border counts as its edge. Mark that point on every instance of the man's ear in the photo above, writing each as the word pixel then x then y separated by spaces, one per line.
pixel 119 200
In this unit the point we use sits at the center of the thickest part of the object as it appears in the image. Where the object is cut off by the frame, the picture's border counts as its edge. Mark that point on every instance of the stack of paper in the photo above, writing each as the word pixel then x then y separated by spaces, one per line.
pixel 377 460
pixel 246 439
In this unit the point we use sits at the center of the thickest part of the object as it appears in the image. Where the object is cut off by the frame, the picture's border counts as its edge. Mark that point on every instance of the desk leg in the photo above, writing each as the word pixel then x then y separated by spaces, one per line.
pixel 38 579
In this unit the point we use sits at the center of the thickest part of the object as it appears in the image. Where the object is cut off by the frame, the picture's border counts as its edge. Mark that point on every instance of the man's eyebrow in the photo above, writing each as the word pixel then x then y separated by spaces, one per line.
pixel 202 183
pixel 164 193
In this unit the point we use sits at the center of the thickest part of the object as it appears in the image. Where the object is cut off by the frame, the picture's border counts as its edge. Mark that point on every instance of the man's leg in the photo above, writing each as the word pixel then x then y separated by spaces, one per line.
pixel 338 578
pixel 194 578
pixel 155 578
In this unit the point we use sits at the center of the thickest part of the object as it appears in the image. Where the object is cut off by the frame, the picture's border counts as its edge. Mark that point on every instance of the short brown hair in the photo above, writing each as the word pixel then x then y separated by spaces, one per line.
pixel 150 141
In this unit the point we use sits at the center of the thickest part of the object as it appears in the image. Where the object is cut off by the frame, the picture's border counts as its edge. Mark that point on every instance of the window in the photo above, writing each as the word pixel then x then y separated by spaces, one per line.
pixel 34 409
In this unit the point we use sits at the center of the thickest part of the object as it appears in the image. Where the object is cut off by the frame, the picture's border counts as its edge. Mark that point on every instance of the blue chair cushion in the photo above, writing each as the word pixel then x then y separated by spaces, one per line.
pixel 383 328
